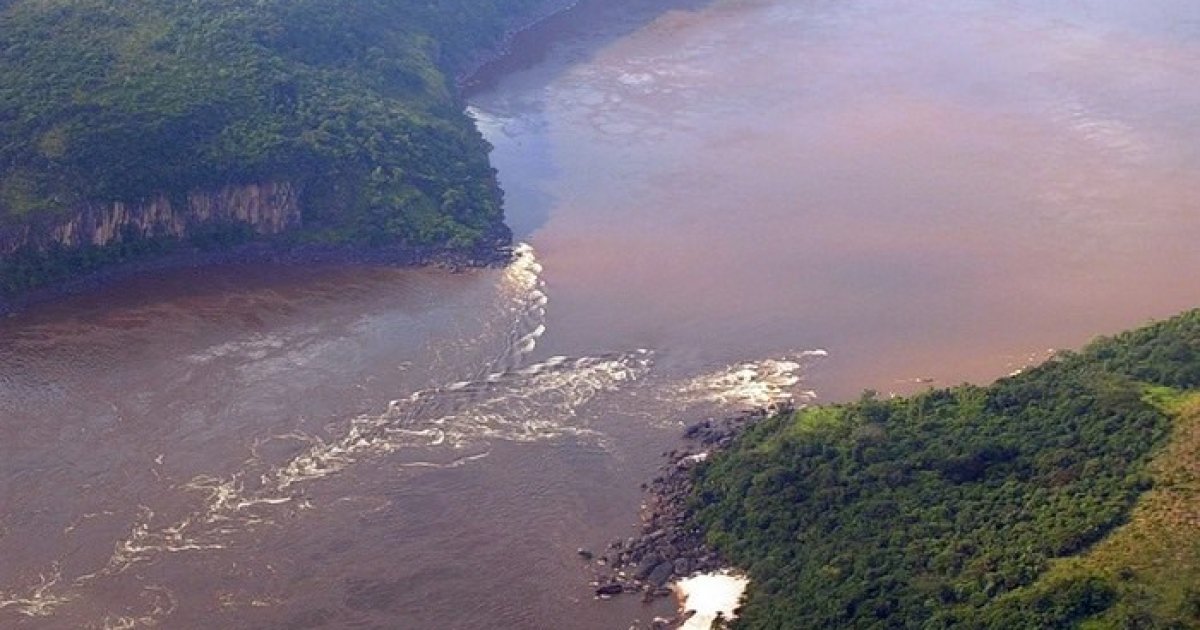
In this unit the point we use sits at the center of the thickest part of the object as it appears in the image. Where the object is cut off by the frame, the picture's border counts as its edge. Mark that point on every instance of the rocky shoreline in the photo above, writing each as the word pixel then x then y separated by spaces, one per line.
pixel 668 547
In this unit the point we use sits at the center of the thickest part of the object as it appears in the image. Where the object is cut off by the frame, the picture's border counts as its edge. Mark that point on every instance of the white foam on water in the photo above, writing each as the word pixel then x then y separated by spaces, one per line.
pixel 86 517
pixel 41 599
pixel 763 383
pixel 524 296
pixel 257 347
pixel 439 418
pixel 443 426
pixel 530 403
pixel 161 604
pixel 709 596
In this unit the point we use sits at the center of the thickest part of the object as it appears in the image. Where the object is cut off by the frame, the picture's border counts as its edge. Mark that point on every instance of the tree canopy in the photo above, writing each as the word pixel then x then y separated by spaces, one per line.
pixel 946 509
pixel 104 100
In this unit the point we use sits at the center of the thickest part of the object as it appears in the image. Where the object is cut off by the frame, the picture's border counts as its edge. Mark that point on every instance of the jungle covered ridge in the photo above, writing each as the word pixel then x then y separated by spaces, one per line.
pixel 1067 496
pixel 352 100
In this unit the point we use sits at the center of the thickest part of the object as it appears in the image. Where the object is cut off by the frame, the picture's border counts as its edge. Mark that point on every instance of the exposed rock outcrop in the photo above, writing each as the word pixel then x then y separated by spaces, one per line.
pixel 268 208
pixel 668 546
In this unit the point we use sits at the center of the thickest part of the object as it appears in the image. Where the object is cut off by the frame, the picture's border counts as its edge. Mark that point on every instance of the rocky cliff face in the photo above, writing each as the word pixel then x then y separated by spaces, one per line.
pixel 269 208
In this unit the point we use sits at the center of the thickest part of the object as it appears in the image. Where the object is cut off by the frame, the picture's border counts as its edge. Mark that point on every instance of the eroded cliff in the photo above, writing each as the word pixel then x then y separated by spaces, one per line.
pixel 266 208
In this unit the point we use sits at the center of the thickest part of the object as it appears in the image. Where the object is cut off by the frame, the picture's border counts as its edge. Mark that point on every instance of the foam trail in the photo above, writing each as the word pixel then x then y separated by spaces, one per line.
pixel 524 289
pixel 497 403
pixel 513 406
pixel 162 604
pixel 763 383
pixel 41 600
pixel 446 425
pixel 443 426
pixel 534 402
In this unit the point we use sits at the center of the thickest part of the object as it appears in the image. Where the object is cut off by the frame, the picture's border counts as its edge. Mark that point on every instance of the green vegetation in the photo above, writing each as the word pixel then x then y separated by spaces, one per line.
pixel 106 100
pixel 1046 500
pixel 1151 565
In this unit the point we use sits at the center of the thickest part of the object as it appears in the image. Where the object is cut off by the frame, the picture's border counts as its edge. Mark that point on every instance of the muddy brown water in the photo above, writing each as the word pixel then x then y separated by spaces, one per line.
pixel 929 191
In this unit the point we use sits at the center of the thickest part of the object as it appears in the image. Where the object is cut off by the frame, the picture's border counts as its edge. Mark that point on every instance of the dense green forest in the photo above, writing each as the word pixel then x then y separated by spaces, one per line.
pixel 106 100
pixel 1066 496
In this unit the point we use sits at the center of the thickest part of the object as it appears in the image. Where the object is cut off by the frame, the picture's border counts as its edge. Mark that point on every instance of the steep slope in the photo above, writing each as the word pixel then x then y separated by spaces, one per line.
pixel 952 508
pixel 1150 566
pixel 149 108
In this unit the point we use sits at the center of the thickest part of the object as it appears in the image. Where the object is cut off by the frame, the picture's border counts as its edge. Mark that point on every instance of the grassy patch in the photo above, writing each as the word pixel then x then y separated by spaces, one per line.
pixel 1152 563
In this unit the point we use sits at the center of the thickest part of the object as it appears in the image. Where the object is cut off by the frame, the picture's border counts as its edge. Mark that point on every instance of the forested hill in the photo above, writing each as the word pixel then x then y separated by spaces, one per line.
pixel 1067 496
pixel 351 100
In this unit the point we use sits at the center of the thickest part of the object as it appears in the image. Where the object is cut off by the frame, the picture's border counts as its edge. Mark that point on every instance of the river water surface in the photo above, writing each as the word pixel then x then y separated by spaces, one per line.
pixel 726 202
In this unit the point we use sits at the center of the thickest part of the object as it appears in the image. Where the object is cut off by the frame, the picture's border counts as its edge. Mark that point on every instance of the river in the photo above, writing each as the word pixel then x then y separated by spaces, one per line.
pixel 724 202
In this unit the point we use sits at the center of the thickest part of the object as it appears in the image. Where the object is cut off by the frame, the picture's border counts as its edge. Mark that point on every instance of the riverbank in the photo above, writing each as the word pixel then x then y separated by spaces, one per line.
pixel 668 549
pixel 61 265
pixel 469 76
pixel 495 249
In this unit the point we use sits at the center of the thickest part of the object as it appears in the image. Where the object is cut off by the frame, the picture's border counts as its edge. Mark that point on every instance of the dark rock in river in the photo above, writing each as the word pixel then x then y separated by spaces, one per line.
pixel 661 574
pixel 646 565
pixel 682 566
pixel 667 547
pixel 612 588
